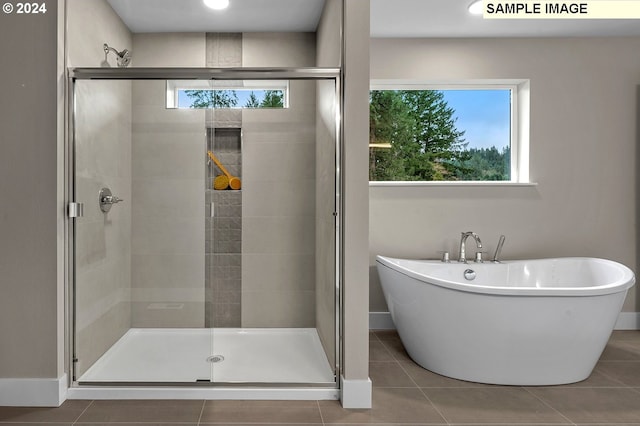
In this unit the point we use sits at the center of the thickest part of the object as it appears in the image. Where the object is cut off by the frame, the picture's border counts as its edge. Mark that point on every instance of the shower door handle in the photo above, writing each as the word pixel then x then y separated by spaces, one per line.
pixel 106 199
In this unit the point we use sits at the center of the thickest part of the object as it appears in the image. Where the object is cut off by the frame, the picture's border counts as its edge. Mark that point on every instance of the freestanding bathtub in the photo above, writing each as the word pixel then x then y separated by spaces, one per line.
pixel 530 322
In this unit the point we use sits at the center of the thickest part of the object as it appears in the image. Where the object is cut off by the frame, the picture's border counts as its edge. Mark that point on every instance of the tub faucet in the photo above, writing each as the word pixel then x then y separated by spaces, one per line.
pixel 463 240
pixel 496 255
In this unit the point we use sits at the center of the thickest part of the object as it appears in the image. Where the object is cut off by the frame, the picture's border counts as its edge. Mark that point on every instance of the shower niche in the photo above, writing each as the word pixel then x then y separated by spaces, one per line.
pixel 223 273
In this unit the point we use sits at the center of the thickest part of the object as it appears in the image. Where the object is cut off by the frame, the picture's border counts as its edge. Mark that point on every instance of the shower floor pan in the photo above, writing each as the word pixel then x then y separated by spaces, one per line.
pixel 226 355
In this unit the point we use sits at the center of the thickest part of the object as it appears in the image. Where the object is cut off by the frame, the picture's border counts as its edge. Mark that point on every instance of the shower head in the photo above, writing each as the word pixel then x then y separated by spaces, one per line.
pixel 123 57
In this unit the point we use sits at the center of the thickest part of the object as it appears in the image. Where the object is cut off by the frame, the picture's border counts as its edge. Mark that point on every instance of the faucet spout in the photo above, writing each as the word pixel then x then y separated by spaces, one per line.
pixel 462 258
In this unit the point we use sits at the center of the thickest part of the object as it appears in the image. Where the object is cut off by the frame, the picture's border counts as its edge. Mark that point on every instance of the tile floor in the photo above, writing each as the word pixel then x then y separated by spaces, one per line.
pixel 403 394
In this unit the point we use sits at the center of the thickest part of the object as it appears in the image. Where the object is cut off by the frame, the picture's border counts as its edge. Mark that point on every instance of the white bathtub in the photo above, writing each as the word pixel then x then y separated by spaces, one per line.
pixel 530 322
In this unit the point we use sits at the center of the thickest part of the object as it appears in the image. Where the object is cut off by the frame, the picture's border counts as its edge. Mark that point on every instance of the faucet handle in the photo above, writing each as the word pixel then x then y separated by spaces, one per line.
pixel 445 257
pixel 478 258
pixel 498 249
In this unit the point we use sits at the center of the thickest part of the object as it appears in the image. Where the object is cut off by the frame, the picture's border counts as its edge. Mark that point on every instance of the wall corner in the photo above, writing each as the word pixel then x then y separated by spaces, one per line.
pixel 355 221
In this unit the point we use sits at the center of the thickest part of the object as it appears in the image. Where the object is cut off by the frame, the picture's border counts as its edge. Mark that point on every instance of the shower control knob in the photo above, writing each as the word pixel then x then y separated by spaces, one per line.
pixel 106 199
pixel 111 199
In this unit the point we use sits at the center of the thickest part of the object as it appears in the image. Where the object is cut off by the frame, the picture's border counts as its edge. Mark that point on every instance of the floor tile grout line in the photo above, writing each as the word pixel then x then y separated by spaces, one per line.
pixel 547 404
pixel 389 350
pixel 83 411
pixel 440 413
pixel 528 424
pixel 320 411
pixel 425 395
pixel 204 401
pixel 623 385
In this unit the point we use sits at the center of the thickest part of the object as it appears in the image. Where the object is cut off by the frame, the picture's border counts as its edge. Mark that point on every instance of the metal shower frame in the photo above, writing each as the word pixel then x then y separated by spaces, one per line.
pixel 311 73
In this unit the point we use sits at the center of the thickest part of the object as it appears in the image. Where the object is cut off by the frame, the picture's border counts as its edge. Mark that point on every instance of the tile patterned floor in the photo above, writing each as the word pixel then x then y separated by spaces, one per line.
pixel 403 393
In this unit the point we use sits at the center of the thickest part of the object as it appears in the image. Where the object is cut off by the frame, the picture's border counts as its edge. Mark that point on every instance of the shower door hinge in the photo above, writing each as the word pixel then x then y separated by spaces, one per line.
pixel 75 209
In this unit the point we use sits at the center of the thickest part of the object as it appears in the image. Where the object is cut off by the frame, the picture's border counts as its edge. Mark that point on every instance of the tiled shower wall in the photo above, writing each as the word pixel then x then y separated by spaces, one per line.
pixel 279 185
pixel 167 262
pixel 277 285
pixel 168 229
pixel 103 243
pixel 223 276
pixel 103 159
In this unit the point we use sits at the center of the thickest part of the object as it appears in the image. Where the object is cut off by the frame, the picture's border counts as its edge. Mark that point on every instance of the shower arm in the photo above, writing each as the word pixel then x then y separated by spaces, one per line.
pixel 122 58
pixel 107 48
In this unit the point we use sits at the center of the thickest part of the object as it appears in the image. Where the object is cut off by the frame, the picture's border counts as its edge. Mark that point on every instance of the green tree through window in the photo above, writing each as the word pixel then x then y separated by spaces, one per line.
pixel 414 137
pixel 232 98
pixel 272 99
pixel 213 98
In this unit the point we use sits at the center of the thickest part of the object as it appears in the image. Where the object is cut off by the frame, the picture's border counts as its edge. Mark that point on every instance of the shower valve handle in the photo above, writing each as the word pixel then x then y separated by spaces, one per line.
pixel 111 199
pixel 106 199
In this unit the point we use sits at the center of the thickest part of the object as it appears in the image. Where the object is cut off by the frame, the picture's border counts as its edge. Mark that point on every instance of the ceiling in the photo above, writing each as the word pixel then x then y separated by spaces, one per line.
pixel 146 16
pixel 389 18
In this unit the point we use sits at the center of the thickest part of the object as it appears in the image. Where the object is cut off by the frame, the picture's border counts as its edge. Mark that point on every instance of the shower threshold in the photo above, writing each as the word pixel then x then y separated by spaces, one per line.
pixel 224 355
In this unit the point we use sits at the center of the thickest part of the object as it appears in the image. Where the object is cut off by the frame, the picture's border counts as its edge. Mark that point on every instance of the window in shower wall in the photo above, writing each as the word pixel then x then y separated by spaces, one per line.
pixel 245 94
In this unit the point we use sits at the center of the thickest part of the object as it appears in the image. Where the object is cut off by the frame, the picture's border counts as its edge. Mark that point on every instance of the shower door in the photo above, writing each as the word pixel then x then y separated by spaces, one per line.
pixel 207 249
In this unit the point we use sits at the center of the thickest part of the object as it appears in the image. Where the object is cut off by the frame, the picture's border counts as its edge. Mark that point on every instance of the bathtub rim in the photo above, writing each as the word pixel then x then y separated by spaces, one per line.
pixel 621 285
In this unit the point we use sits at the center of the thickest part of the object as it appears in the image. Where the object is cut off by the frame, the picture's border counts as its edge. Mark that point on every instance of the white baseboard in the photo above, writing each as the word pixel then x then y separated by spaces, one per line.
pixel 628 321
pixel 355 393
pixel 33 392
pixel 383 321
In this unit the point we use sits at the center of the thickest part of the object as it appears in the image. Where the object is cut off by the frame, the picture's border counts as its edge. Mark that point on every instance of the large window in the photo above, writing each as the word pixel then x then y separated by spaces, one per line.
pixel 455 133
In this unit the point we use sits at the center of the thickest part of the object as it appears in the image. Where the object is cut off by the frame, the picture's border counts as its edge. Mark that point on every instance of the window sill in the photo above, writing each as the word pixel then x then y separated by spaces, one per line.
pixel 451 183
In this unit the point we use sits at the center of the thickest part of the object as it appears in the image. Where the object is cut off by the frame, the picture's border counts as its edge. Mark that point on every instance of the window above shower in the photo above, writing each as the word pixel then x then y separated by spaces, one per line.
pixel 250 94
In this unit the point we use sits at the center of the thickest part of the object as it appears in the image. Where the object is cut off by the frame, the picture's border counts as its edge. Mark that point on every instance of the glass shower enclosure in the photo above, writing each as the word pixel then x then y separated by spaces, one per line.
pixel 204 238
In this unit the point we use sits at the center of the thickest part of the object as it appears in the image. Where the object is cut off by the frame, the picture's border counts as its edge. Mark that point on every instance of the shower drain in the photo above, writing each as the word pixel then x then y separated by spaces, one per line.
pixel 215 358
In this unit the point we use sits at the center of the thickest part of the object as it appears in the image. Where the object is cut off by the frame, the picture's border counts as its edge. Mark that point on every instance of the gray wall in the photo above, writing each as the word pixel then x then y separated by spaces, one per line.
pixel 583 137
pixel 103 159
pixel 30 205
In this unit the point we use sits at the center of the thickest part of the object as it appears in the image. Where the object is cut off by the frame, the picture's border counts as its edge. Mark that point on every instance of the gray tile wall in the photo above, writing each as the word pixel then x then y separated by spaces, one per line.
pixel 224 234
pixel 103 240
pixel 279 183
pixel 224 49
pixel 168 262
pixel 223 276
